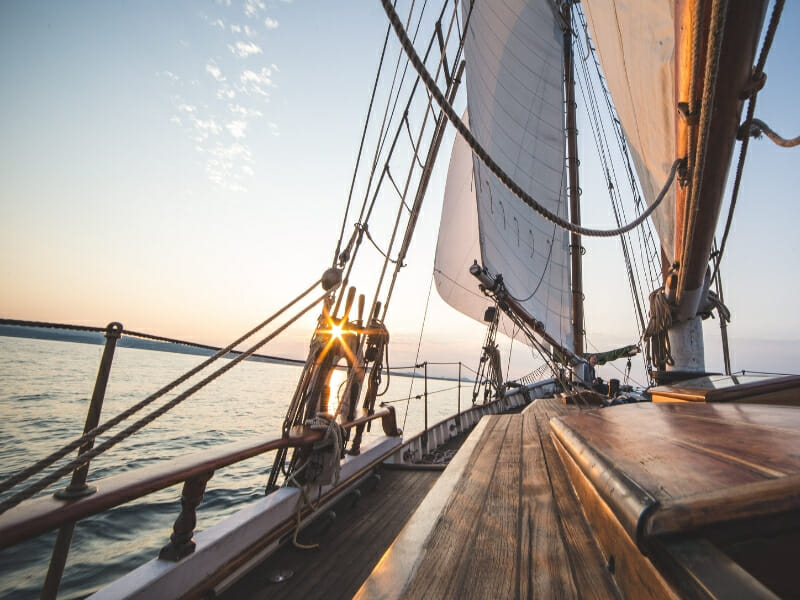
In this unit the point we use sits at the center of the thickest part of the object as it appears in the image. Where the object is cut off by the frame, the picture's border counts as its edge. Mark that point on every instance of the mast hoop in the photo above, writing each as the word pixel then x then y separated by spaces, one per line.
pixel 487 160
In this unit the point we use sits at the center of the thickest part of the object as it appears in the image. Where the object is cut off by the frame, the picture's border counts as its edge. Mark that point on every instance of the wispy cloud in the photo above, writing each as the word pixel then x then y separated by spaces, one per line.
pixel 244 111
pixel 227 163
pixel 255 83
pixel 222 109
pixel 237 128
pixel 245 49
pixel 253 7
pixel 215 71
pixel 225 93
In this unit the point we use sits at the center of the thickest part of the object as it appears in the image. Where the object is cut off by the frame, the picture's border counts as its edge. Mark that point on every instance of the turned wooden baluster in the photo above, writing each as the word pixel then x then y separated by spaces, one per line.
pixel 181 542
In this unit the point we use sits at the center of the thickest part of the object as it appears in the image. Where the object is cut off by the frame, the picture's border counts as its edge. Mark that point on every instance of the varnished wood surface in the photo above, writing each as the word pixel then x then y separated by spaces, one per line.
pixel 348 548
pixel 752 389
pixel 510 528
pixel 692 464
pixel 633 572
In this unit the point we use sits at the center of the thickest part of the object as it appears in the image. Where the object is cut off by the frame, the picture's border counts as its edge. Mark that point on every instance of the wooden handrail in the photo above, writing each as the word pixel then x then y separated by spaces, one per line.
pixel 39 515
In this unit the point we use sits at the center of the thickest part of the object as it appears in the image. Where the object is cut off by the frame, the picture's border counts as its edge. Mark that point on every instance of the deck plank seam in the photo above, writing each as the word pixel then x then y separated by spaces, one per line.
pixel 557 509
pixel 460 573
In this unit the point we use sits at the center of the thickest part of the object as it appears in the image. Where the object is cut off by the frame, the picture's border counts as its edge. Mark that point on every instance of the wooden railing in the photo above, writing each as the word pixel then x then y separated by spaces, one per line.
pixel 34 517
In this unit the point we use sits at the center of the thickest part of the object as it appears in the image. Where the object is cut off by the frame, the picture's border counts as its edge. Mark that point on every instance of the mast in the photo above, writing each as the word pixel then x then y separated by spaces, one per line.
pixel 713 94
pixel 574 190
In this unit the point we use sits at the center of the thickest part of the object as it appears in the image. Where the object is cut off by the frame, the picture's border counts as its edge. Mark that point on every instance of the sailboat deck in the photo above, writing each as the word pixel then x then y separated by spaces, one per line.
pixel 641 501
pixel 349 546
pixel 501 522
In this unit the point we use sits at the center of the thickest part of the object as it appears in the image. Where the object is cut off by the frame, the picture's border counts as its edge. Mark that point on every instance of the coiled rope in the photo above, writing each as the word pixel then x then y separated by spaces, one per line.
pixel 655 336
pixel 489 162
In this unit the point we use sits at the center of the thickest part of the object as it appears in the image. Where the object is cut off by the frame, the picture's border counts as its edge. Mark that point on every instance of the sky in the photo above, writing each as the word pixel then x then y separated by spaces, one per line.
pixel 182 167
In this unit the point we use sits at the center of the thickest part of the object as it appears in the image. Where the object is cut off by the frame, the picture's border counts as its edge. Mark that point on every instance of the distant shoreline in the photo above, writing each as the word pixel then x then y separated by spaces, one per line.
pixel 177 346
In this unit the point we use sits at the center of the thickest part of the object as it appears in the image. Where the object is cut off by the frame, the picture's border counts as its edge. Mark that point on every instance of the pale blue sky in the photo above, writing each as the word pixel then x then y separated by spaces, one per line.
pixel 182 167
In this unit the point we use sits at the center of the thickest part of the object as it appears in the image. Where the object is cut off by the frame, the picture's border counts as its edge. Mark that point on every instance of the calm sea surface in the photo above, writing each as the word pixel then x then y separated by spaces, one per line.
pixel 45 388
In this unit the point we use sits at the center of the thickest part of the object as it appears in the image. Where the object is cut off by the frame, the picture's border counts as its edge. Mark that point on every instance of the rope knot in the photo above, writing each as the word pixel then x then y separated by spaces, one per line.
pixel 754 85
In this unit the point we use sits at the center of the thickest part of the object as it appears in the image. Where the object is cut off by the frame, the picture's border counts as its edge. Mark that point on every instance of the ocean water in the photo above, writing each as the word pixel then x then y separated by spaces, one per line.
pixel 45 388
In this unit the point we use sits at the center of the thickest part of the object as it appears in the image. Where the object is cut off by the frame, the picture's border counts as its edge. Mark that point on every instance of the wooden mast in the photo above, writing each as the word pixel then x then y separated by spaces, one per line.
pixel 576 249
pixel 696 225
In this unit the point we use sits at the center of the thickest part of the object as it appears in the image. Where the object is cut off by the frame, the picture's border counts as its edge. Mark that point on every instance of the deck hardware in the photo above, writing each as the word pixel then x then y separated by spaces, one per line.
pixel 611 565
pixel 281 576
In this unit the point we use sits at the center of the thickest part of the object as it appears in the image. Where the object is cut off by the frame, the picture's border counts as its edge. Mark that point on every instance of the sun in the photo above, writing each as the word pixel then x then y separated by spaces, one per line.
pixel 336 331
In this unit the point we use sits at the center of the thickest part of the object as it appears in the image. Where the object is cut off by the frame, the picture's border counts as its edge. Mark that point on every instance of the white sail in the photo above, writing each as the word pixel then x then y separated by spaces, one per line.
pixel 514 53
pixel 635 41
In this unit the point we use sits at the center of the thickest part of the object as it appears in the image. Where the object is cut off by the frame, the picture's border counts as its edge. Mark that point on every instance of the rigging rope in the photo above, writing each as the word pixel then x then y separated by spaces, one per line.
pixel 419 345
pixel 361 148
pixel 86 457
pixel 758 74
pixel 487 160
pixel 757 127
pixel 714 51
pixel 604 151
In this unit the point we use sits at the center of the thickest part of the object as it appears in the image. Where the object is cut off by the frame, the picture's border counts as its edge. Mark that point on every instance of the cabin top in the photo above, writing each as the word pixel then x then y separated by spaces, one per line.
pixel 667 468
pixel 751 388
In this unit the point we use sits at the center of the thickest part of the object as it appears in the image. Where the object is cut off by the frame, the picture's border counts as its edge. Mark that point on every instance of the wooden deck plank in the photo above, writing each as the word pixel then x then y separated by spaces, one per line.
pixel 501 532
pixel 489 569
pixel 545 567
pixel 588 565
pixel 348 549
pixel 453 536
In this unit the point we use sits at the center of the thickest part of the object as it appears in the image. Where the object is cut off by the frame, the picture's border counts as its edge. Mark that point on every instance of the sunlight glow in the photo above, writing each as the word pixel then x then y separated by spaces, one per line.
pixel 336 331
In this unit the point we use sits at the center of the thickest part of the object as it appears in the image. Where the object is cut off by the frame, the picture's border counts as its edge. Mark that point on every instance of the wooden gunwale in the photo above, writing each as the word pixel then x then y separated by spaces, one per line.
pixel 39 515
pixel 322 503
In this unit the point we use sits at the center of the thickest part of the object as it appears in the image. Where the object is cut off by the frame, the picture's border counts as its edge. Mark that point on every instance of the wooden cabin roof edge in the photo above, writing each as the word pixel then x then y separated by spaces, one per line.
pixel 756 499
pixel 629 501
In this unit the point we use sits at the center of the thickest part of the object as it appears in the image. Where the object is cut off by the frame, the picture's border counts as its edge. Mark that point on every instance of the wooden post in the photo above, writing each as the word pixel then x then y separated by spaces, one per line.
pixel 77 487
pixel 181 542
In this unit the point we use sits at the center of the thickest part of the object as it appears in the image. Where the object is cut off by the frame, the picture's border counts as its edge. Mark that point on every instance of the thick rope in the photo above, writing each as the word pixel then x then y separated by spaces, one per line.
pixel 487 160
pixel 718 14
pixel 757 127
pixel 655 336
pixel 86 457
